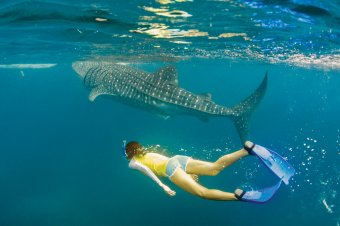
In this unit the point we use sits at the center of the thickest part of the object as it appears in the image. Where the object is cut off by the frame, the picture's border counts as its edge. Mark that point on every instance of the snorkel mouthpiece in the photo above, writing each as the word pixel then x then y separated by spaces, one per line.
pixel 124 149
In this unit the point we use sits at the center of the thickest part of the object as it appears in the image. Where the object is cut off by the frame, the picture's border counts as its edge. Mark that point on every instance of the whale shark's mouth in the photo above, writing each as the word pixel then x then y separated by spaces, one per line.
pixel 80 68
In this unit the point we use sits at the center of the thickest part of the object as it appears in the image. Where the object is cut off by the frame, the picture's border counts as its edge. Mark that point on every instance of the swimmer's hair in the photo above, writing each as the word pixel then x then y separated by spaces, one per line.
pixel 133 148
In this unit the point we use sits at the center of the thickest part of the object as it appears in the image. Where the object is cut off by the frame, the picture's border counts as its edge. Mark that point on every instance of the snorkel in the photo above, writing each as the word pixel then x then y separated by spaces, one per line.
pixel 124 149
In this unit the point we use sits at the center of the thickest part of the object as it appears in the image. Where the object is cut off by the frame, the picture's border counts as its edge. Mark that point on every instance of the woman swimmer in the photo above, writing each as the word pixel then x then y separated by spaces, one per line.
pixel 183 170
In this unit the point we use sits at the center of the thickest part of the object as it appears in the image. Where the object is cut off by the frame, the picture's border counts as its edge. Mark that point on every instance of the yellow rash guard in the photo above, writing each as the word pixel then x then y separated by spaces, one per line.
pixel 155 162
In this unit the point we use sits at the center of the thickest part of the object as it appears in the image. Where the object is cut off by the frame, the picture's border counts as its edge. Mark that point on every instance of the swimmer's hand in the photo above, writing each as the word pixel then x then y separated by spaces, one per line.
pixel 168 190
pixel 194 177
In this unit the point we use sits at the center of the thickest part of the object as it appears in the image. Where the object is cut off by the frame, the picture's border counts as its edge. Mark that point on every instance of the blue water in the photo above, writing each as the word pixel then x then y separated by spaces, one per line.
pixel 60 159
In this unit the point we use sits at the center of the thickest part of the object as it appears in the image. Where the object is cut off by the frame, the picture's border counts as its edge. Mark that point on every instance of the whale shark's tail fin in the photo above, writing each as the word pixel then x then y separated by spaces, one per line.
pixel 243 110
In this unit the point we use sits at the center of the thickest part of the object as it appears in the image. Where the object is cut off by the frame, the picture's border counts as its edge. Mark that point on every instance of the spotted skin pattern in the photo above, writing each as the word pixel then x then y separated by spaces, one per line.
pixel 158 91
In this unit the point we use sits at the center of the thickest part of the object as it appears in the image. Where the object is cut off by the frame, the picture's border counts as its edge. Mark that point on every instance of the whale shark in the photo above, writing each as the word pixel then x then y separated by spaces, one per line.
pixel 160 92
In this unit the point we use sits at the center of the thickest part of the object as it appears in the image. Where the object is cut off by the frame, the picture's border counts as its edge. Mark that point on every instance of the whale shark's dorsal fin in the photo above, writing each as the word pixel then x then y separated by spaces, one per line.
pixel 166 74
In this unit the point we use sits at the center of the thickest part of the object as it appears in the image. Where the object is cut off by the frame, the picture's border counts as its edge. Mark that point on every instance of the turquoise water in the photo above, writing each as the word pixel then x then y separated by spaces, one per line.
pixel 60 158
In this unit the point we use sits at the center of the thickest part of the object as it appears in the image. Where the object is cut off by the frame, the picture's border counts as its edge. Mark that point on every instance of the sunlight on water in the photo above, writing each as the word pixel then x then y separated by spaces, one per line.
pixel 302 35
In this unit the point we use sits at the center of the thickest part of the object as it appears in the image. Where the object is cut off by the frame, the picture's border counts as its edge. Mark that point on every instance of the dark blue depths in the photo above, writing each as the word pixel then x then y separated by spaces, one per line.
pixel 60 157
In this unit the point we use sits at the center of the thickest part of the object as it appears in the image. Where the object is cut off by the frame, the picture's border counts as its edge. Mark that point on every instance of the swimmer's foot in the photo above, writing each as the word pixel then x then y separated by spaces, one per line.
pixel 248 146
pixel 239 193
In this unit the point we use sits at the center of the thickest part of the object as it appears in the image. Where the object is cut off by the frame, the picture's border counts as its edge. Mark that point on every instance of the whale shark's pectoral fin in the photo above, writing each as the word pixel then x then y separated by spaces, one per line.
pixel 166 74
pixel 95 92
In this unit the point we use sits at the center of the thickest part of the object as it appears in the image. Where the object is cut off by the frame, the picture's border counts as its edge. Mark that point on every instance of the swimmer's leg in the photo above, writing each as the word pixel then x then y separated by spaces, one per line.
pixel 185 181
pixel 213 168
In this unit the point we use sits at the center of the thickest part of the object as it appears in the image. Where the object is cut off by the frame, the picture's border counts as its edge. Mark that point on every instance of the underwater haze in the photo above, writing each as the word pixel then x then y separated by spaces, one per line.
pixel 60 154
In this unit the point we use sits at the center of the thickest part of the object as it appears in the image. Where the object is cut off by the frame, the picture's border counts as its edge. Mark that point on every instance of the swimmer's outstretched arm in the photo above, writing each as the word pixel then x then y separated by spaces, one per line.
pixel 145 170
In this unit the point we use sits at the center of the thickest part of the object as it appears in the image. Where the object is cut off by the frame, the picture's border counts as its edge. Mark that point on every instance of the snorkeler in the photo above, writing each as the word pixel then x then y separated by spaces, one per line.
pixel 183 171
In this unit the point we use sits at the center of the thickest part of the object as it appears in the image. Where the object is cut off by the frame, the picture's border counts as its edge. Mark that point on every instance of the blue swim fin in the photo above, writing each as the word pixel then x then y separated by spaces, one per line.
pixel 259 196
pixel 276 163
